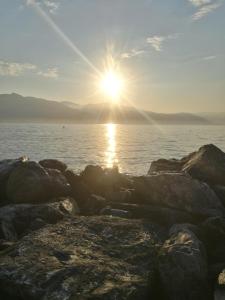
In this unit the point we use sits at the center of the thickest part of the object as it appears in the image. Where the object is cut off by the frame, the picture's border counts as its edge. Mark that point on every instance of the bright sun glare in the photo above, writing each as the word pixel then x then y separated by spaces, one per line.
pixel 112 84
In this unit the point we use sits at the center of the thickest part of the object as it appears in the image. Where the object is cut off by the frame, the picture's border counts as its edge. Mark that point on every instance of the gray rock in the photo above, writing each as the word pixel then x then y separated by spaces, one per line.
pixel 115 212
pixel 18 219
pixel 31 183
pixel 159 215
pixel 213 236
pixel 83 258
pixel 207 164
pixel 178 191
pixel 183 267
pixel 6 167
pixel 53 164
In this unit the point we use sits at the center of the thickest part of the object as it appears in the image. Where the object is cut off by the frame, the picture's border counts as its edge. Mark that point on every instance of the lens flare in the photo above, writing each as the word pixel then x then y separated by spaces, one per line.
pixel 112 84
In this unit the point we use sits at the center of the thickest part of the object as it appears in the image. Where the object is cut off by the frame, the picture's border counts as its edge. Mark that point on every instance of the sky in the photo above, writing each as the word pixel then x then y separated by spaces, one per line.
pixel 171 53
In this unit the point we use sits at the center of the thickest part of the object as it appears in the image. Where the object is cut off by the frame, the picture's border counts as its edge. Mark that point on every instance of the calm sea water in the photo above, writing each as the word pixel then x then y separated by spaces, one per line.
pixel 132 147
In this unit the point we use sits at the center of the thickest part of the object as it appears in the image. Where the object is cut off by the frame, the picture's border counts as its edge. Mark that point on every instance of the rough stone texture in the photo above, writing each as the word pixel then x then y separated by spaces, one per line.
pixel 183 267
pixel 160 215
pixel 53 164
pixel 220 192
pixel 220 287
pixel 6 167
pixel 207 164
pixel 213 236
pixel 179 191
pixel 104 181
pixel 85 258
pixel 18 219
pixel 31 183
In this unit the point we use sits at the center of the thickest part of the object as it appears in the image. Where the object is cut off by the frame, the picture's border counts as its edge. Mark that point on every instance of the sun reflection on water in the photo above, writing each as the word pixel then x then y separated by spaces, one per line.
pixel 110 154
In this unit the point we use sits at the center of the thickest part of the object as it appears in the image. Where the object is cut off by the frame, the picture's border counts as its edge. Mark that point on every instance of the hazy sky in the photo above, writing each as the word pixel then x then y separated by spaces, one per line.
pixel 172 52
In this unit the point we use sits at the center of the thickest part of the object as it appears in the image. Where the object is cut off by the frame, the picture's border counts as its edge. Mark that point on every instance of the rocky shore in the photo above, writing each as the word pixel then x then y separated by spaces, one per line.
pixel 101 234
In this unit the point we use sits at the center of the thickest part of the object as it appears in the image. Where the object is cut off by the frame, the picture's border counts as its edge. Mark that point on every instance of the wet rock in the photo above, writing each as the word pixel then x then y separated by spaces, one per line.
pixel 183 267
pixel 18 219
pixel 178 191
pixel 6 167
pixel 53 164
pixel 31 183
pixel 219 293
pixel 85 258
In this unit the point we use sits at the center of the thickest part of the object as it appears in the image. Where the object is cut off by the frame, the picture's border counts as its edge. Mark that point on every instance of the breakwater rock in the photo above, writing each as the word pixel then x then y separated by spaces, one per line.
pixel 100 234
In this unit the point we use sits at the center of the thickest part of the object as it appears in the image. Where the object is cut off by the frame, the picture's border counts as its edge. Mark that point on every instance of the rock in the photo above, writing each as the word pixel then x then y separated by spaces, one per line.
pixel 165 165
pixel 104 181
pixel 83 258
pixel 57 185
pixel 178 191
pixel 18 219
pixel 31 183
pixel 207 164
pixel 115 212
pixel 93 205
pixel 213 236
pixel 176 228
pixel 122 196
pixel 183 267
pixel 6 167
pixel 220 192
pixel 219 293
pixel 159 215
pixel 79 189
pixel 53 164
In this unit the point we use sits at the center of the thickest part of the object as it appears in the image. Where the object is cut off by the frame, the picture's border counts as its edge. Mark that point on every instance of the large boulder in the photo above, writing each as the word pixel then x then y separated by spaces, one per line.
pixel 18 219
pixel 179 191
pixel 104 181
pixel 31 183
pixel 6 167
pixel 53 164
pixel 207 164
pixel 160 215
pixel 84 258
pixel 213 236
pixel 183 267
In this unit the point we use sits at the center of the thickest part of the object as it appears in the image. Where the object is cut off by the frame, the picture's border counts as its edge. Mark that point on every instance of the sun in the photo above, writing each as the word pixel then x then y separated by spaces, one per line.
pixel 112 84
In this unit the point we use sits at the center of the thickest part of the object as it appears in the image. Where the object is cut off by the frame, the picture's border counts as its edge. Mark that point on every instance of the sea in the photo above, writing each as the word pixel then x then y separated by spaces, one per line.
pixel 130 147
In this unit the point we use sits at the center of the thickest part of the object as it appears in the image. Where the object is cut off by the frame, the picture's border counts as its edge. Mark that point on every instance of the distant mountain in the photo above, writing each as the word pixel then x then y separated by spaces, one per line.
pixel 14 107
pixel 214 117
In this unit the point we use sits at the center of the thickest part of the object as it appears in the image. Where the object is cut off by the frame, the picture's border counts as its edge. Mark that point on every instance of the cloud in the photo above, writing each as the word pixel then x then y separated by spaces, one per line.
pixel 200 2
pixel 209 57
pixel 51 5
pixel 15 69
pixel 157 41
pixel 132 53
pixel 50 73
pixel 204 7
